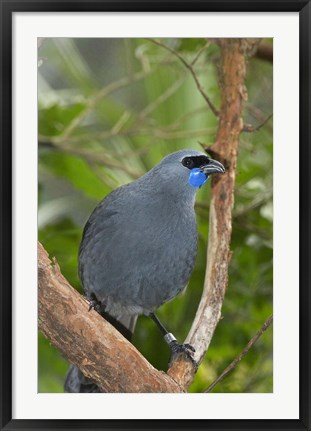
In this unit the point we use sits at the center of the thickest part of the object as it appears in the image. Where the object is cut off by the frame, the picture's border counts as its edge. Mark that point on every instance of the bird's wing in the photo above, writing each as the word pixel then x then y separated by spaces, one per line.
pixel 102 248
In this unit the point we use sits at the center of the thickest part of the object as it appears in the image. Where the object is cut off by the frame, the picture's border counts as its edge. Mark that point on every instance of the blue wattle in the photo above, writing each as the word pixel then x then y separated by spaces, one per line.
pixel 197 178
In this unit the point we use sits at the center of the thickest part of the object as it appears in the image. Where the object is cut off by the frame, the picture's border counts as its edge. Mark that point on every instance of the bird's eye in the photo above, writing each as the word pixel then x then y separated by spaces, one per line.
pixel 189 163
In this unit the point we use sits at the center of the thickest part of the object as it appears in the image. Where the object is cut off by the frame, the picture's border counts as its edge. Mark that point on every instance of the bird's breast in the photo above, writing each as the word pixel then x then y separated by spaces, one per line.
pixel 167 257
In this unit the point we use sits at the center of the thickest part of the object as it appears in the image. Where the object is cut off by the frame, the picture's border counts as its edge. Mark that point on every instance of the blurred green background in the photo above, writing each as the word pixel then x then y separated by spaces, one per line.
pixel 108 111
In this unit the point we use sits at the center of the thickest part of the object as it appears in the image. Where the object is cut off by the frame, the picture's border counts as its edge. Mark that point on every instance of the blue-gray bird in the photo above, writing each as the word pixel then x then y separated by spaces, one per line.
pixel 139 247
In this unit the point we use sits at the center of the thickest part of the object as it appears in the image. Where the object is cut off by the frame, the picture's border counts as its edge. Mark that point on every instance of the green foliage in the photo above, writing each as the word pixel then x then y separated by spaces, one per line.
pixel 52 367
pixel 76 171
pixel 63 246
pixel 92 140
pixel 54 119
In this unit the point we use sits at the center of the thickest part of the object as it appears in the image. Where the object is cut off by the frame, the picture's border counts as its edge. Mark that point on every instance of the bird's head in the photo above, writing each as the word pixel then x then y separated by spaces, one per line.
pixel 185 171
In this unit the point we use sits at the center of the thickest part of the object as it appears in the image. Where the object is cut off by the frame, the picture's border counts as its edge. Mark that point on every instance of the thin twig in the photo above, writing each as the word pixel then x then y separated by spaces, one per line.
pixel 200 52
pixel 120 123
pixel 257 203
pixel 184 117
pixel 93 157
pixel 250 128
pixel 249 345
pixel 191 70
pixel 236 214
pixel 104 92
pixel 161 99
pixel 157 133
pixel 163 132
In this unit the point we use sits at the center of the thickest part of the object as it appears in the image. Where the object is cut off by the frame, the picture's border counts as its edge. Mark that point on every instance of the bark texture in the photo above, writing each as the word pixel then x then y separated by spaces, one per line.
pixel 233 94
pixel 90 342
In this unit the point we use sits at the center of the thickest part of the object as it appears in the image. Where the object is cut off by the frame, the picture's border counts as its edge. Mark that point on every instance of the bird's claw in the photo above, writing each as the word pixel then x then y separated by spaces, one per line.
pixel 189 347
pixel 185 350
pixel 94 304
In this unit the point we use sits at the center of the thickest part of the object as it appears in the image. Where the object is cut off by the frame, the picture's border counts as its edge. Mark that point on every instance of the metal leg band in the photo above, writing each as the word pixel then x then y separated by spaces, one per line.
pixel 169 338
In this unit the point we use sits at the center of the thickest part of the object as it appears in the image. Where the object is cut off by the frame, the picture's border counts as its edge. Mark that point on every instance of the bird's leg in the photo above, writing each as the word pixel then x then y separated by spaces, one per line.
pixel 176 348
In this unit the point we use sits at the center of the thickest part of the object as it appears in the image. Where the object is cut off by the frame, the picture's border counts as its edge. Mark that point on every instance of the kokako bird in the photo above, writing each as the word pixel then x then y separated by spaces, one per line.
pixel 139 247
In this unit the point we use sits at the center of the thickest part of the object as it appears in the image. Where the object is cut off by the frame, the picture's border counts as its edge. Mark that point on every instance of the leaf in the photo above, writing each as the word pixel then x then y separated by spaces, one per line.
pixel 53 121
pixel 191 44
pixel 76 171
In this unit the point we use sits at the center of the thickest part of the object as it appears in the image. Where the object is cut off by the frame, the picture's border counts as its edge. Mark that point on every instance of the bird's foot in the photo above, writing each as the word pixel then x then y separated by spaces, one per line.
pixel 95 304
pixel 182 350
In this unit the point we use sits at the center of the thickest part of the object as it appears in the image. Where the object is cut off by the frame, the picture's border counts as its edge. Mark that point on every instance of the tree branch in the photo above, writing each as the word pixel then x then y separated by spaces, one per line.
pixel 93 101
pixel 233 94
pixel 250 128
pixel 249 345
pixel 161 99
pixel 88 341
pixel 93 157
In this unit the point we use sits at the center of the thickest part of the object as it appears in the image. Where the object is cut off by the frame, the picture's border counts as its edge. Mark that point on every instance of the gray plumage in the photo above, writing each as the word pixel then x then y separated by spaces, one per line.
pixel 139 245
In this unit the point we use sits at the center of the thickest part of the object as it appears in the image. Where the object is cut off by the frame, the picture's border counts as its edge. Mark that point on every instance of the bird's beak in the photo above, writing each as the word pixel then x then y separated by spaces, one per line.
pixel 212 167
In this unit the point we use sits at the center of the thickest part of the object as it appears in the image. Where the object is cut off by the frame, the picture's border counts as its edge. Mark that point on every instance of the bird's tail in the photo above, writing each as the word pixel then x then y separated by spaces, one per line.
pixel 124 324
pixel 75 381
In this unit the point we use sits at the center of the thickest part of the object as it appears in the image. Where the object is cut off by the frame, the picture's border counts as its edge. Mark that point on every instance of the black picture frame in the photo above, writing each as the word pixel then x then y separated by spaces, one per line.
pixel 8 7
